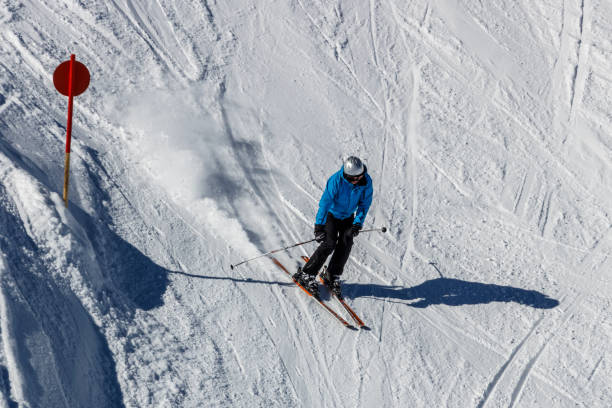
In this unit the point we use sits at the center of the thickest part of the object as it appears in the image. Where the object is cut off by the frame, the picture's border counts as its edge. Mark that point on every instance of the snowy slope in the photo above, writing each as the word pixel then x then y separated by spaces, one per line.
pixel 206 137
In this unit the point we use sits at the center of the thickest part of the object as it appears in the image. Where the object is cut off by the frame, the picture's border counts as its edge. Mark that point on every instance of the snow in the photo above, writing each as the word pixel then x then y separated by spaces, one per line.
pixel 206 137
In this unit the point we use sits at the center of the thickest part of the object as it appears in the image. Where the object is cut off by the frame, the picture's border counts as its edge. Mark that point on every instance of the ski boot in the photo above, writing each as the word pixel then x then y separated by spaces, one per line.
pixel 332 283
pixel 308 282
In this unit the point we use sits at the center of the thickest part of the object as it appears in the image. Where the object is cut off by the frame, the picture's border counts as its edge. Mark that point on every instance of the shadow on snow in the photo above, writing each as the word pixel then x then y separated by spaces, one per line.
pixel 451 292
pixel 226 278
pixel 45 307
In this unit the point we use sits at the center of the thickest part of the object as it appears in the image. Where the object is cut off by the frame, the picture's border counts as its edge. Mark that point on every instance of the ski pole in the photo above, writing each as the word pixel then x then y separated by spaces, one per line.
pixel 382 229
pixel 271 252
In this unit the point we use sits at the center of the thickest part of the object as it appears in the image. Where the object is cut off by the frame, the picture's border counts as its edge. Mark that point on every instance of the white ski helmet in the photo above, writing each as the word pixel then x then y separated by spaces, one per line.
pixel 353 166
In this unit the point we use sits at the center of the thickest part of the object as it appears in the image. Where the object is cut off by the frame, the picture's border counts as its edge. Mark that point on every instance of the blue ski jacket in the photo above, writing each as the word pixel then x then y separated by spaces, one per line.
pixel 342 199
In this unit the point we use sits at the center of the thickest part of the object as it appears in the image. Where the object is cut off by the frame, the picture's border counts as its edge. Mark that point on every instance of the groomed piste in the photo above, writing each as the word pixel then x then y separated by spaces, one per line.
pixel 206 137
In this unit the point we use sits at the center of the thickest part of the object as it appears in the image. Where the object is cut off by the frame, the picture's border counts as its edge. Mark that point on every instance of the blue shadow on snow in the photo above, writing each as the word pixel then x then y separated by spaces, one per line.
pixel 48 303
pixel 451 292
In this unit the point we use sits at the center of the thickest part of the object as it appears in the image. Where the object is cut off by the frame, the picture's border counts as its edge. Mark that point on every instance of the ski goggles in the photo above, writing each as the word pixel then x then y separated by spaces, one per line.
pixel 353 178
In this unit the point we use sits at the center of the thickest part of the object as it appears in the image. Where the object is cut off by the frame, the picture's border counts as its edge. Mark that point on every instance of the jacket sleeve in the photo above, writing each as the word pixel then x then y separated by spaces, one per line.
pixel 364 205
pixel 327 199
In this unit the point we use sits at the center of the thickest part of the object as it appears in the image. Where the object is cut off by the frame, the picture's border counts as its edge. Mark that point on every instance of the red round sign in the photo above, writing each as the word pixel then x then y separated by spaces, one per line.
pixel 80 78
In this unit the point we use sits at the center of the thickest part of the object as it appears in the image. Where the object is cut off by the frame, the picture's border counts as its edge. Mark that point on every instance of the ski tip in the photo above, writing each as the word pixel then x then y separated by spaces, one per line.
pixel 351 327
pixel 366 328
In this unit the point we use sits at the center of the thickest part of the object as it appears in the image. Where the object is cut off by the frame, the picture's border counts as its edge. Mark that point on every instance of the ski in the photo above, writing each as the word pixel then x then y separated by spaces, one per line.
pixel 349 309
pixel 319 301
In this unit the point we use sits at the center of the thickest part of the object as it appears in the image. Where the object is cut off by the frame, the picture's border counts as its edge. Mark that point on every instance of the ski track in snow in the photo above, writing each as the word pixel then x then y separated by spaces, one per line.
pixel 206 137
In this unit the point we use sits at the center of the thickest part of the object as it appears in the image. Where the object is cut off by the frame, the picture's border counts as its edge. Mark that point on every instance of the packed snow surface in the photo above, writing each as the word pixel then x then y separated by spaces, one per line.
pixel 206 137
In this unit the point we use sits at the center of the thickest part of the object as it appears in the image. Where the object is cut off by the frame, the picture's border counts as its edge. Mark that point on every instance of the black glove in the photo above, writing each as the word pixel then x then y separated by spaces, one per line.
pixel 355 230
pixel 319 233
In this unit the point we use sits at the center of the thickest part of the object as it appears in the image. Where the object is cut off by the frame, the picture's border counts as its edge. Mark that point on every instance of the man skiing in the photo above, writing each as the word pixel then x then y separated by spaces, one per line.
pixel 342 211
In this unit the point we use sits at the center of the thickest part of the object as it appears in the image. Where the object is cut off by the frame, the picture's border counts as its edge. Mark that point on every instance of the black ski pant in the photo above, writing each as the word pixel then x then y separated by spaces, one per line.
pixel 339 241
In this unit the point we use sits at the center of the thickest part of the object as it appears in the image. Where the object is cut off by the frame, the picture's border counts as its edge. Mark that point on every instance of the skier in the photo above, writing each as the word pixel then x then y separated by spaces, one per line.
pixel 342 211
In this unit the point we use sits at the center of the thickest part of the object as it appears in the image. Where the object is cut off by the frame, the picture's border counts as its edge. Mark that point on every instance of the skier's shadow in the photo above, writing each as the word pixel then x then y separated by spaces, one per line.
pixel 451 292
